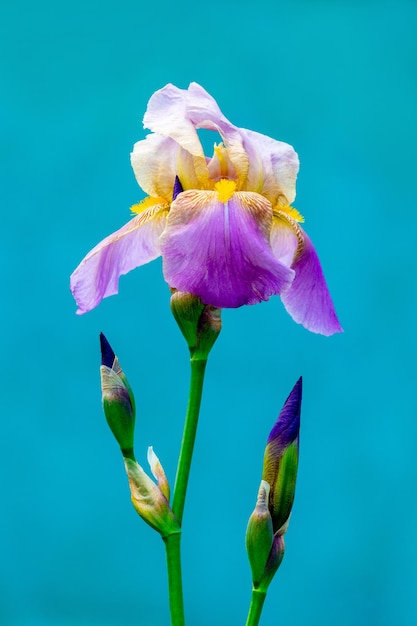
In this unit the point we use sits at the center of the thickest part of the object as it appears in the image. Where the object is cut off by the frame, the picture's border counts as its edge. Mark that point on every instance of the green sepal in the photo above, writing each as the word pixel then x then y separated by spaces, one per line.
pixel 259 535
pixel 199 323
pixel 209 327
pixel 274 561
pixel 187 309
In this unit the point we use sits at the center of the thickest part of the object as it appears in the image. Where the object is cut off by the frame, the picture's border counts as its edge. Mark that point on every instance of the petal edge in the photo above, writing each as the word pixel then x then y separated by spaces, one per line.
pixel 136 243
pixel 307 300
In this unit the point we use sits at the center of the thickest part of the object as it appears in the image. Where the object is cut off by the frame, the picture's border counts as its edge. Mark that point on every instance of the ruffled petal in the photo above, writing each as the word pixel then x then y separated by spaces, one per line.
pixel 177 113
pixel 157 160
pixel 204 112
pixel 264 165
pixel 220 250
pixel 166 115
pixel 273 167
pixel 134 244
pixel 308 299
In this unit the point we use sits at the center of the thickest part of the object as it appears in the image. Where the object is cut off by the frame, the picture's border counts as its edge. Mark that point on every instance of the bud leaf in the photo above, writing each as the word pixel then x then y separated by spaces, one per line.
pixel 259 535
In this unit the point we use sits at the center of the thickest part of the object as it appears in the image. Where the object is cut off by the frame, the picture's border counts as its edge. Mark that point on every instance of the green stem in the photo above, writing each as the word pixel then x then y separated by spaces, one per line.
pixel 173 554
pixel 255 609
pixel 173 542
pixel 190 429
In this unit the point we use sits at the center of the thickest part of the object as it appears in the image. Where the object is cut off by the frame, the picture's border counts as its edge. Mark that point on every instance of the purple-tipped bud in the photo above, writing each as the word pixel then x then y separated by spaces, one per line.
pixel 199 323
pixel 269 522
pixel 107 354
pixel 281 458
pixel 177 188
pixel 118 400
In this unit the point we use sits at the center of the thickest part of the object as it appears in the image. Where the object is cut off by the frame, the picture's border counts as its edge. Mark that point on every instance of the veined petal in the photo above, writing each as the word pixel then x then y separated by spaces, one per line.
pixel 308 300
pixel 134 244
pixel 273 167
pixel 157 160
pixel 218 249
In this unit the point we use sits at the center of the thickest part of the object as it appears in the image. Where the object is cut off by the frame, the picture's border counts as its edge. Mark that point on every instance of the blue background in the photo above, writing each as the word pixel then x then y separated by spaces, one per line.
pixel 338 81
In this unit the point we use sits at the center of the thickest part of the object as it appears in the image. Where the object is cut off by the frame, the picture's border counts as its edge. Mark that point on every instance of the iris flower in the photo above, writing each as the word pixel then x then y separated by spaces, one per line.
pixel 224 225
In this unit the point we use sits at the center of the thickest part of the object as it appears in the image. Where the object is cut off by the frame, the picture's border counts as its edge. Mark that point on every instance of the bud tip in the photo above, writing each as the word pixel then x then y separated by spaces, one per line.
pixel 287 426
pixel 107 354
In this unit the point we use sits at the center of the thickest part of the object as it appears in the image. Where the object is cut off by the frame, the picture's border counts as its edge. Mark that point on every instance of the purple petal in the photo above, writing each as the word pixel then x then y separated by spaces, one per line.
pixel 308 300
pixel 134 244
pixel 220 251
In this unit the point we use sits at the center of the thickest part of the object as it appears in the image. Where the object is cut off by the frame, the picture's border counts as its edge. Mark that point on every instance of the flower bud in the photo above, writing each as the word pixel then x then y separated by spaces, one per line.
pixel 118 400
pixel 209 327
pixel 259 535
pixel 187 309
pixel 281 459
pixel 269 522
pixel 199 323
pixel 149 499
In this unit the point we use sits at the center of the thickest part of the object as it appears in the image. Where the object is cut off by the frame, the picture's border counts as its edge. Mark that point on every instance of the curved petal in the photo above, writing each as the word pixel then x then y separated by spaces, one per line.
pixel 284 240
pixel 177 113
pixel 220 165
pixel 166 115
pixel 273 167
pixel 264 165
pixel 156 161
pixel 204 112
pixel 134 244
pixel 219 250
pixel 308 299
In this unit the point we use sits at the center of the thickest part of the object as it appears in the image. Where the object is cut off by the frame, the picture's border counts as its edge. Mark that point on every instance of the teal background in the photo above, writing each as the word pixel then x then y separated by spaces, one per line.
pixel 338 81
